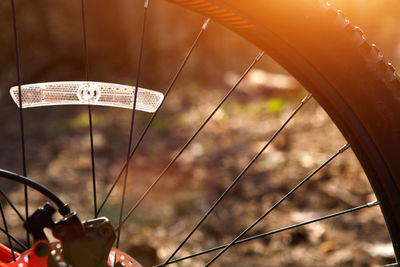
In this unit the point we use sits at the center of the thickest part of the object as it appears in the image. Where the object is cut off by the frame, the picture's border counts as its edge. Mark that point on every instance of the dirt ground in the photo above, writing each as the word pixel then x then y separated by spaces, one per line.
pixel 59 157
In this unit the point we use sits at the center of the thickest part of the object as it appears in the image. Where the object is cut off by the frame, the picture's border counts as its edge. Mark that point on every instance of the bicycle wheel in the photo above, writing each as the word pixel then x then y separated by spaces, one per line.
pixel 320 48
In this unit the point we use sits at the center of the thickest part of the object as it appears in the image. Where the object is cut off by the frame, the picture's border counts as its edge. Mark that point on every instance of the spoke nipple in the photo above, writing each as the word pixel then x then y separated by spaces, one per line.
pixel 206 24
pixel 305 99
pixel 344 148
pixel 374 203
pixel 146 3
pixel 260 55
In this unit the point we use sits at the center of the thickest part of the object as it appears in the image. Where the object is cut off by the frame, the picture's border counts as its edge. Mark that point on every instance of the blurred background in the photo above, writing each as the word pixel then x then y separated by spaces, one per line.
pixel 58 148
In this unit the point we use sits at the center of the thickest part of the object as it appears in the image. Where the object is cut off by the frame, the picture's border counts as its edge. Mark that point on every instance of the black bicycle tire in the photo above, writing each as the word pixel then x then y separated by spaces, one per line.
pixel 344 71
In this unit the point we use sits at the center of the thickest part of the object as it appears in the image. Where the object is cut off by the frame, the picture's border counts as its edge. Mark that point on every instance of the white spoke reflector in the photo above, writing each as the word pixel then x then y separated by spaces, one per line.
pixel 86 93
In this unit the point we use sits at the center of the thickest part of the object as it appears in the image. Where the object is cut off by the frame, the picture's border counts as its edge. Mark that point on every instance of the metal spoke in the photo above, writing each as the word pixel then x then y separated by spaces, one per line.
pixel 86 56
pixel 175 78
pixel 237 179
pixel 340 151
pixel 12 205
pixel 146 5
pixel 6 229
pixel 369 205
pixel 21 116
pixel 13 239
pixel 259 56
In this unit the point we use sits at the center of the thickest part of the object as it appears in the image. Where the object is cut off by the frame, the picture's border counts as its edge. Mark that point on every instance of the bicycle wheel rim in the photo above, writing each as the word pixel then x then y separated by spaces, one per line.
pixel 288 33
